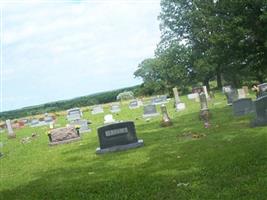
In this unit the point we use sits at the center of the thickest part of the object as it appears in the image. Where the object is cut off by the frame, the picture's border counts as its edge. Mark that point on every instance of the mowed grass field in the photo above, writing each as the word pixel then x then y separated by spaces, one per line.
pixel 227 160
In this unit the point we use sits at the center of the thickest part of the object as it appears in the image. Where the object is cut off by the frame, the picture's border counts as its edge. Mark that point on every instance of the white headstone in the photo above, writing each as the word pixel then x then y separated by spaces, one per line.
pixel 192 96
pixel 241 93
pixel 180 106
pixel 206 92
pixel 9 129
pixel 108 119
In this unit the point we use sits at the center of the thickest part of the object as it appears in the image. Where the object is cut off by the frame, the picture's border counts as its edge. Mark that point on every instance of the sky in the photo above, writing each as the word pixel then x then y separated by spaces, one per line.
pixel 56 50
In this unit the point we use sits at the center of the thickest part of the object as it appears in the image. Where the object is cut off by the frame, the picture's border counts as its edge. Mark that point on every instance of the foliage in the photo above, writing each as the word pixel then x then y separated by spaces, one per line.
pixel 126 95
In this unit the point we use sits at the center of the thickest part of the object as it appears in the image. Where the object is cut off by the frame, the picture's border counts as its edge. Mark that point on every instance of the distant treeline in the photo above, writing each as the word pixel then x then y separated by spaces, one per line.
pixel 98 98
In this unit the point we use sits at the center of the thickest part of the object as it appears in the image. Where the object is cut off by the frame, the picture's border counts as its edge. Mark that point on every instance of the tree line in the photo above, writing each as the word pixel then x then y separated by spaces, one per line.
pixel 207 40
pixel 99 98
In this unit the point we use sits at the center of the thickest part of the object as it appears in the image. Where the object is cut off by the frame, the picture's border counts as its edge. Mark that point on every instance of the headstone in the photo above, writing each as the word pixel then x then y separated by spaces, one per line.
pixel 74 114
pixel 117 137
pixel 63 135
pixel 48 119
pixel 245 88
pixel 150 111
pixel 108 119
pixel 97 110
pixel 262 89
pixel 193 96
pixel 166 121
pixel 176 96
pixel 243 106
pixel 115 108
pixel 241 93
pixel 10 131
pixel 203 101
pixel 134 104
pixel 178 104
pixel 206 92
pixel 231 94
pixel 83 124
pixel 159 100
pixel 261 111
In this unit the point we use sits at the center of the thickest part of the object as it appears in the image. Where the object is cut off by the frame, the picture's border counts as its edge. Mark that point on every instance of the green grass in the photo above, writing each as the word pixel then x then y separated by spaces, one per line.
pixel 230 162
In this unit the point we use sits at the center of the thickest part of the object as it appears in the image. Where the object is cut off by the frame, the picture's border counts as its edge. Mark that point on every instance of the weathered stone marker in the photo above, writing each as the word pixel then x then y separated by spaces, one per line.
pixel 10 131
pixel 150 111
pixel 241 93
pixel 261 112
pixel 243 106
pixel 63 135
pixel 117 137
pixel 166 121
pixel 178 104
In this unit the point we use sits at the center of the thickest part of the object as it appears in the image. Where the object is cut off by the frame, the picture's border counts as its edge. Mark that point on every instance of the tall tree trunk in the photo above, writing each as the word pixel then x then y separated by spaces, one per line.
pixel 219 78
pixel 206 82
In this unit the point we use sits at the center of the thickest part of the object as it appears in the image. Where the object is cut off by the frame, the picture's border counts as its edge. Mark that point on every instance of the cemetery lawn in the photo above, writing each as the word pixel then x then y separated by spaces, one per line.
pixel 184 161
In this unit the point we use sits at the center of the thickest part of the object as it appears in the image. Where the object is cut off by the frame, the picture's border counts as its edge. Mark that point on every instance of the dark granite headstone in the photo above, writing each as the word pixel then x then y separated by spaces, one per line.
pixel 243 107
pixel 117 136
pixel 262 89
pixel 261 111
pixel 150 111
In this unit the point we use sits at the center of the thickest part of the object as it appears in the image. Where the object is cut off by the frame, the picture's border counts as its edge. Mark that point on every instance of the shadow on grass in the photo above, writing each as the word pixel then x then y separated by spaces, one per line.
pixel 229 163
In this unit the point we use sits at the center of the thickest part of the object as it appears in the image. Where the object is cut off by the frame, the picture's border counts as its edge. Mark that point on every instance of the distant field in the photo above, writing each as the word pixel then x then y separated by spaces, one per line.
pixel 227 161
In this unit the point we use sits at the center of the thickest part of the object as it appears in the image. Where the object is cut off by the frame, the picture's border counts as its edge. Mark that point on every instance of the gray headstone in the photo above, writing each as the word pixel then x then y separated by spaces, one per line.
pixel 261 111
pixel 97 110
pixel 150 111
pixel 159 100
pixel 115 108
pixel 63 135
pixel 74 114
pixel 243 107
pixel 117 136
pixel 206 92
pixel 83 125
pixel 10 131
pixel 262 89
pixel 133 104
pixel 203 101
pixel 231 95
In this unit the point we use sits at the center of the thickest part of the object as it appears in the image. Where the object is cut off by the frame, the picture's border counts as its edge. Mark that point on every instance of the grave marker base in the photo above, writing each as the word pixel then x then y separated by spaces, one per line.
pixel 140 143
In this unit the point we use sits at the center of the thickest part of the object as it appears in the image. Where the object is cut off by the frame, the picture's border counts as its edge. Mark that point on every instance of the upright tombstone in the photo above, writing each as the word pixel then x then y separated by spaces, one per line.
pixel 231 94
pixel 108 119
pixel 261 112
pixel 83 124
pixel 241 93
pixel 243 106
pixel 10 131
pixel 97 110
pixel 115 108
pixel 117 137
pixel 159 100
pixel 150 110
pixel 134 104
pixel 206 92
pixel 176 96
pixel 166 121
pixel 262 89
pixel 204 110
pixel 63 135
pixel 74 114
pixel 245 88
pixel 178 104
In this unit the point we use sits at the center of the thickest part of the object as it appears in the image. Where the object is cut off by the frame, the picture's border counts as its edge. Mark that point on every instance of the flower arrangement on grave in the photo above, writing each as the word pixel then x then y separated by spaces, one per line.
pixel 49 135
pixel 77 127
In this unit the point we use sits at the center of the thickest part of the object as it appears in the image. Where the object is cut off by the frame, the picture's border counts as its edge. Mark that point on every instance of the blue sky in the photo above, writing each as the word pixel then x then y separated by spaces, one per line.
pixel 55 51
